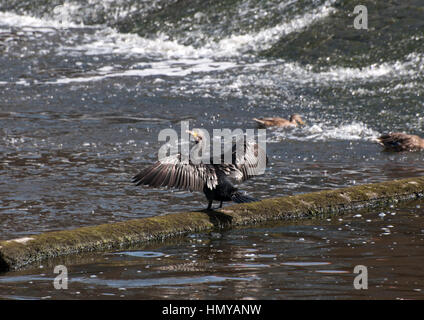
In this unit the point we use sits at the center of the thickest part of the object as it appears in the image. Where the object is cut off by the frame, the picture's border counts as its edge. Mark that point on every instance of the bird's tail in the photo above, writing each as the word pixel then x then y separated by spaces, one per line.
pixel 237 197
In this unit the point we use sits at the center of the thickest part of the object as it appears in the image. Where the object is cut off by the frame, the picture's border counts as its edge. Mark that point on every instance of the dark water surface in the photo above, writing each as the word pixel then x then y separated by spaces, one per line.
pixel 86 88
pixel 307 260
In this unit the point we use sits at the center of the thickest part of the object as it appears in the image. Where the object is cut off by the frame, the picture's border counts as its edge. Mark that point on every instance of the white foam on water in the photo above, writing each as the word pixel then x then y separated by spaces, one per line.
pixel 271 76
pixel 325 132
pixel 207 58
pixel 69 15
pixel 110 10
pixel 351 131
pixel 175 68
pixel 11 19
pixel 411 65
pixel 408 67
pixel 264 39
pixel 411 87
pixel 109 41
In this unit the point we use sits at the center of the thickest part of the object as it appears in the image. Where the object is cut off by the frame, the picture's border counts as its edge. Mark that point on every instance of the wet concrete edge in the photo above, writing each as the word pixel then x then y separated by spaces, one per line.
pixel 17 253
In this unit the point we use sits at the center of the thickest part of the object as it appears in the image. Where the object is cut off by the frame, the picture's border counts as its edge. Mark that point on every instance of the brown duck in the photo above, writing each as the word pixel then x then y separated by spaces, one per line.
pixel 398 141
pixel 294 121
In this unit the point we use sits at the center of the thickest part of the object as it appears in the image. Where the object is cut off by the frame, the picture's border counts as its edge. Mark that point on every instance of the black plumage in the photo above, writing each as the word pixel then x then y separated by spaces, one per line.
pixel 398 141
pixel 214 179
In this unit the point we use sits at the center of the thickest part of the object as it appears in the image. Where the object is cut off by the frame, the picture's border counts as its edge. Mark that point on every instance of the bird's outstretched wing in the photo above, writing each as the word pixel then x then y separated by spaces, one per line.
pixel 250 160
pixel 171 172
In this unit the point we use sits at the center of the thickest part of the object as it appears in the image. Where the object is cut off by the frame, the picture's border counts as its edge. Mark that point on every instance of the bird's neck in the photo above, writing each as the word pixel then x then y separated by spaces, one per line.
pixel 196 152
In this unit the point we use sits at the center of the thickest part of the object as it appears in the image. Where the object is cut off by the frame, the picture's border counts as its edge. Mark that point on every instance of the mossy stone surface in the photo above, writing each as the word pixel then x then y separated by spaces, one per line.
pixel 17 253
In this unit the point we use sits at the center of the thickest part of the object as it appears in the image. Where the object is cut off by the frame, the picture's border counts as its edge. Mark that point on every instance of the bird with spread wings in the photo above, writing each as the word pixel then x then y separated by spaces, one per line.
pixel 213 178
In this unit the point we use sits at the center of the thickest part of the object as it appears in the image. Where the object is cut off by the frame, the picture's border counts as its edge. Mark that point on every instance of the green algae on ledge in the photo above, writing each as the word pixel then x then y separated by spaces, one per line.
pixel 16 253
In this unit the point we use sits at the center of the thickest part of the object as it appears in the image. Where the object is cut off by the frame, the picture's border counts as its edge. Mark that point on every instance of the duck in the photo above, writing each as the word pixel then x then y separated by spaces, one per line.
pixel 399 141
pixel 295 120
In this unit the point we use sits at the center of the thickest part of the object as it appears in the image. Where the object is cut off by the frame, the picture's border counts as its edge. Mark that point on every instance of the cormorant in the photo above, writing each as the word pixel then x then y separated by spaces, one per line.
pixel 214 179
pixel 398 141
pixel 294 121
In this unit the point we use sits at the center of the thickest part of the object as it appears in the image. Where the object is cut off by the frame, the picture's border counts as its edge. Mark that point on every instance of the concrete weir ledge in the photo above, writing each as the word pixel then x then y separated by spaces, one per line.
pixel 16 253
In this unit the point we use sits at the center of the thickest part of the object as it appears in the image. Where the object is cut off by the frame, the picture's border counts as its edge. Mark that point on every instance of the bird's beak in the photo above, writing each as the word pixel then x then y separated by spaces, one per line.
pixel 193 133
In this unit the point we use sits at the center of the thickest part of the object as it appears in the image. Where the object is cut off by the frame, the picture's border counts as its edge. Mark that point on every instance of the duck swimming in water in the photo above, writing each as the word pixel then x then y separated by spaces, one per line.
pixel 294 121
pixel 398 141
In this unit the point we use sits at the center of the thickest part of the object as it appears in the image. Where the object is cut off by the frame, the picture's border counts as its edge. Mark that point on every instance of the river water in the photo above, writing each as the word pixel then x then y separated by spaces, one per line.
pixel 86 88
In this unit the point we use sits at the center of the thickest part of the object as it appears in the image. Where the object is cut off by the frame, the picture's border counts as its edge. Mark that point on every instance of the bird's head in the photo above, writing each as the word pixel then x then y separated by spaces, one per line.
pixel 296 118
pixel 196 134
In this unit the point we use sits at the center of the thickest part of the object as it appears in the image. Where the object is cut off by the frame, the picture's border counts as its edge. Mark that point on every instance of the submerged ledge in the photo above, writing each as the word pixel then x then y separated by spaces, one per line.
pixel 16 253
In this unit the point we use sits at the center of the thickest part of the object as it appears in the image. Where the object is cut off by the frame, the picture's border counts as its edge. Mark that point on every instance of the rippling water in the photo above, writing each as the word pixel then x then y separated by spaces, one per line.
pixel 306 260
pixel 86 88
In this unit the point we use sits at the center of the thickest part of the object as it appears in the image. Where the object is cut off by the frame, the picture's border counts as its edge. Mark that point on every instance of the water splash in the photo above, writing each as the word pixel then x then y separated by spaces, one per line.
pixel 326 132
